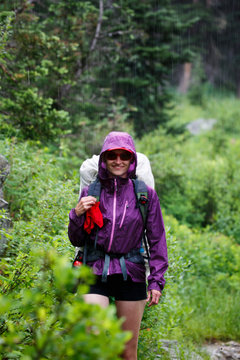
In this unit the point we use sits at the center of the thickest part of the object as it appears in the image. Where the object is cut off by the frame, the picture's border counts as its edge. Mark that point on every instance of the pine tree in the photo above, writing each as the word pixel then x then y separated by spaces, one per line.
pixel 71 64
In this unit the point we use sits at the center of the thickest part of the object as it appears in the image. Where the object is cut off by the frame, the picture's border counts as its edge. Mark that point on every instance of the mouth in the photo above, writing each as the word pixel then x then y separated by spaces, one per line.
pixel 118 167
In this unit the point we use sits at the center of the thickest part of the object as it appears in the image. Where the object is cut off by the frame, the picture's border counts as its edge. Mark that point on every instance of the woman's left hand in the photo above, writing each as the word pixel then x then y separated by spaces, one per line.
pixel 153 297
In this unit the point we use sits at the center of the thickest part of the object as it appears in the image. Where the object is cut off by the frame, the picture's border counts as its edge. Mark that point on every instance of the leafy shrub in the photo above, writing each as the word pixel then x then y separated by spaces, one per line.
pixel 37 177
pixel 46 320
pixel 36 118
pixel 197 177
pixel 203 278
pixel 6 18
pixel 159 321
pixel 226 111
pixel 41 316
pixel 40 200
pixel 211 282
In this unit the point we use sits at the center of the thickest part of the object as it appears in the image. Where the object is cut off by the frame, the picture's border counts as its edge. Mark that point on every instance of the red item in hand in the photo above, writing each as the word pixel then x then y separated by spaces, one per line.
pixel 93 216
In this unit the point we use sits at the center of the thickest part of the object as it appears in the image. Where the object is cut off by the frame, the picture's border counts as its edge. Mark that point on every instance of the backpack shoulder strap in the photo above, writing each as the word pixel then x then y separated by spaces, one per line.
pixel 141 193
pixel 95 189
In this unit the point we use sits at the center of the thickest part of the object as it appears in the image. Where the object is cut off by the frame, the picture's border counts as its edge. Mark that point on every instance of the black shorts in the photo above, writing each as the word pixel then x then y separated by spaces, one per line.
pixel 119 289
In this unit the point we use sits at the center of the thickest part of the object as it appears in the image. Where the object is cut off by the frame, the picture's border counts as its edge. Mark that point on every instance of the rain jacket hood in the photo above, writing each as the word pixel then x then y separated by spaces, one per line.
pixel 117 140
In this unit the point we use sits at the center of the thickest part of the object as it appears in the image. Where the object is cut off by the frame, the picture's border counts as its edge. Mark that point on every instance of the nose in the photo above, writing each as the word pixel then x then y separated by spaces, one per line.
pixel 118 159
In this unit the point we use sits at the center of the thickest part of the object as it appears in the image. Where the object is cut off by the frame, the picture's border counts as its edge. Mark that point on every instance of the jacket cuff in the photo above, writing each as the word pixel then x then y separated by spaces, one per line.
pixel 78 220
pixel 155 286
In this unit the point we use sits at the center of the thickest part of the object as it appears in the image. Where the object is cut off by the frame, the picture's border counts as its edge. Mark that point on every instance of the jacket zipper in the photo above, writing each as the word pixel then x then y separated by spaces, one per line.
pixel 124 213
pixel 114 214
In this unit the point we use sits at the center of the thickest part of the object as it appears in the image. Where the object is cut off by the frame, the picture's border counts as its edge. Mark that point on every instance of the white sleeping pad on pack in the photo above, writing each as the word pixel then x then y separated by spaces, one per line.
pixel 89 170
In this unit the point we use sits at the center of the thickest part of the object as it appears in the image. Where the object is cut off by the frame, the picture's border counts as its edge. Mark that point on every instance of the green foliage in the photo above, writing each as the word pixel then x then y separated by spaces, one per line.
pixel 62 59
pixel 143 57
pixel 41 197
pixel 36 117
pixel 36 176
pixel 155 324
pixel 197 178
pixel 6 18
pixel 63 81
pixel 42 310
pixel 211 282
pixel 193 305
pixel 46 320
pixel 30 77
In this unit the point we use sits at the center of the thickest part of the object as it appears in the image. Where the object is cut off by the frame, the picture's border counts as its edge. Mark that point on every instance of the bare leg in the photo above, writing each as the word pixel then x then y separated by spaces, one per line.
pixel 132 311
pixel 101 300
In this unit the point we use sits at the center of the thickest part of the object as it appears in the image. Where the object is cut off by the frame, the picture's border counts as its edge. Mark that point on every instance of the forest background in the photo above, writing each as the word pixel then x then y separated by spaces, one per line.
pixel 70 73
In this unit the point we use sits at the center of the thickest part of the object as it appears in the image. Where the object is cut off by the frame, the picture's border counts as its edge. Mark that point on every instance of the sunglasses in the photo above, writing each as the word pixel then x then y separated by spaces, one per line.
pixel 124 156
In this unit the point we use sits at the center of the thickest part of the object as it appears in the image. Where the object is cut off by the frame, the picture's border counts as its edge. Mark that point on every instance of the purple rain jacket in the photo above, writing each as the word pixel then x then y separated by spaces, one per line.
pixel 123 224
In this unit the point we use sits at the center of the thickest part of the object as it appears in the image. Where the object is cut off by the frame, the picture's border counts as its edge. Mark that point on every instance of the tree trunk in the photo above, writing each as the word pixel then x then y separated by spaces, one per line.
pixel 186 78
pixel 209 3
pixel 186 73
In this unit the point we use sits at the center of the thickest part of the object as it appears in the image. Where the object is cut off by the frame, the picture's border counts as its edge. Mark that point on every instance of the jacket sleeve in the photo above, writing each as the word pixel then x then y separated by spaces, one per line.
pixel 157 243
pixel 76 233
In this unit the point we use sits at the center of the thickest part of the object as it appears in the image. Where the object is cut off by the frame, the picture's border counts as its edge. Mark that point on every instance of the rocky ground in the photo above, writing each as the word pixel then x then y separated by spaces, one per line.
pixel 224 351
pixel 216 351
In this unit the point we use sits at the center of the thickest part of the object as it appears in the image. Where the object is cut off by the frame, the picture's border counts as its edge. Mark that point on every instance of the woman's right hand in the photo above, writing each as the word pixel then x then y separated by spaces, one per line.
pixel 85 204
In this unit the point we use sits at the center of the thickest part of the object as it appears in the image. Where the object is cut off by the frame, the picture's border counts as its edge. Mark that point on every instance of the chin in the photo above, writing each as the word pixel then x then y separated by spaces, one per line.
pixel 118 174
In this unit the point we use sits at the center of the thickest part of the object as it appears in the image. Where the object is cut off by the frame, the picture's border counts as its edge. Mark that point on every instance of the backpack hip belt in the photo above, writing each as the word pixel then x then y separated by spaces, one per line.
pixel 96 254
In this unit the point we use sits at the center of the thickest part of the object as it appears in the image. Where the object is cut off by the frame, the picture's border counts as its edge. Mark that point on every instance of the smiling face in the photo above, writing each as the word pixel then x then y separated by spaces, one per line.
pixel 118 162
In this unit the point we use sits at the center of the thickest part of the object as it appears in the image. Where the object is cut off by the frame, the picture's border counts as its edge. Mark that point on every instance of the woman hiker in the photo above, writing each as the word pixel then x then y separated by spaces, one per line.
pixel 113 248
